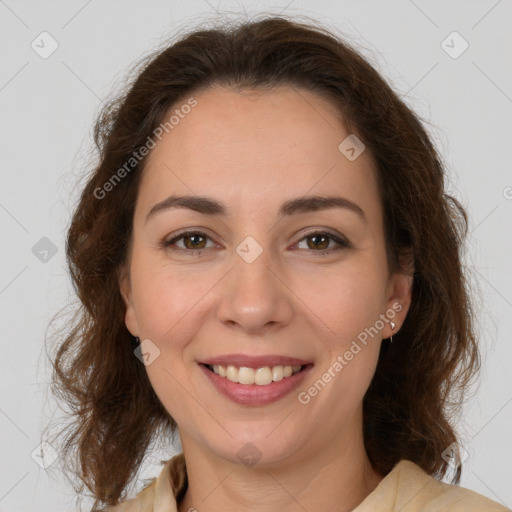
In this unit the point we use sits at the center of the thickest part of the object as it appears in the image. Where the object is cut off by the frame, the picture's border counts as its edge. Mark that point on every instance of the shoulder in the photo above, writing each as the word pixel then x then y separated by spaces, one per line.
pixel 143 502
pixel 160 493
pixel 415 490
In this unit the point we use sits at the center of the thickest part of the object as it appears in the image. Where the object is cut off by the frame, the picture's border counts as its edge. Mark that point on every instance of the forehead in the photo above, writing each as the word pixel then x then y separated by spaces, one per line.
pixel 256 146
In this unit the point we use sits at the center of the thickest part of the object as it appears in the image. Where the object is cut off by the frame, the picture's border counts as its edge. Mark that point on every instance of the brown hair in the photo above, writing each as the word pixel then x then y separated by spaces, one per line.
pixel 421 378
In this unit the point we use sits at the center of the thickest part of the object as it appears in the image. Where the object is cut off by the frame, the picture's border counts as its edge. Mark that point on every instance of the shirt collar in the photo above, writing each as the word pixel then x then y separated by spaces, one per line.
pixel 172 483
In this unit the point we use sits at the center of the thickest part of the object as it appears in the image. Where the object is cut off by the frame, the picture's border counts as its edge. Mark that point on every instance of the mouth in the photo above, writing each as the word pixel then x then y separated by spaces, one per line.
pixel 256 386
pixel 262 376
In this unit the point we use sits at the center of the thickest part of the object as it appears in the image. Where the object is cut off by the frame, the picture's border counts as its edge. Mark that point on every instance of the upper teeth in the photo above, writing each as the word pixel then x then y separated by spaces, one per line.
pixel 260 376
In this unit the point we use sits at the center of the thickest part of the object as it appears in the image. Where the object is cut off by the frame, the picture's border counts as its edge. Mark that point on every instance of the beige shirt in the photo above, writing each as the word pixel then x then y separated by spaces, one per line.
pixel 406 488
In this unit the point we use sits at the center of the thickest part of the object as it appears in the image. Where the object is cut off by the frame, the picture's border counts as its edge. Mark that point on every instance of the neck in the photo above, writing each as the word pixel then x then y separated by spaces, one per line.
pixel 337 476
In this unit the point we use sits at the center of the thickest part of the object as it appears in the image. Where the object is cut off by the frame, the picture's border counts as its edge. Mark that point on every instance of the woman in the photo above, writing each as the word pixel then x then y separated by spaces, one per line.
pixel 269 265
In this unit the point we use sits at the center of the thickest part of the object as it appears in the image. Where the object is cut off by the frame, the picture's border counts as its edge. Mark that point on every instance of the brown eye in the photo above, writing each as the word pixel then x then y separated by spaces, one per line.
pixel 318 242
pixel 192 240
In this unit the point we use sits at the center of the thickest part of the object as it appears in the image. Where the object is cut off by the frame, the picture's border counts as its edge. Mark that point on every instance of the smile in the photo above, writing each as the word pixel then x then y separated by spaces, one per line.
pixel 255 386
pixel 260 376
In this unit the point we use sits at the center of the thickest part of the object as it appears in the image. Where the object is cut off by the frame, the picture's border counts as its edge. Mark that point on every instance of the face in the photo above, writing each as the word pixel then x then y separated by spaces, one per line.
pixel 261 277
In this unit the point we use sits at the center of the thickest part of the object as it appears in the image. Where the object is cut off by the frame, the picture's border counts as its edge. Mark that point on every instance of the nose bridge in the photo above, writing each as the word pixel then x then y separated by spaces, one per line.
pixel 254 297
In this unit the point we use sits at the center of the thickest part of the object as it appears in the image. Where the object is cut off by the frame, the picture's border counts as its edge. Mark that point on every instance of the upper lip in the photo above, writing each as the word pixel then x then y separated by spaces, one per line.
pixel 254 361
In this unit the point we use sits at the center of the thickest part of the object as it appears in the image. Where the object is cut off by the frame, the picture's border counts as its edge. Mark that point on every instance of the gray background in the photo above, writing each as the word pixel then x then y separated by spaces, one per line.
pixel 47 110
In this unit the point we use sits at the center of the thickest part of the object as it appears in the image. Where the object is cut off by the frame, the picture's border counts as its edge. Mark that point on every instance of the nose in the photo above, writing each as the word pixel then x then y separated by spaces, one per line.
pixel 255 298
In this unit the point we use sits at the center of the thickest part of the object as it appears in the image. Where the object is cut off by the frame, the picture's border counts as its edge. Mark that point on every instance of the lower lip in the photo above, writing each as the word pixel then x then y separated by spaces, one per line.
pixel 252 394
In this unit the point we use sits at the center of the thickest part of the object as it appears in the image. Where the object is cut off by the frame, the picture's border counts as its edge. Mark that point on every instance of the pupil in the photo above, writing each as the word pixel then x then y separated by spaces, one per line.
pixel 190 238
pixel 315 245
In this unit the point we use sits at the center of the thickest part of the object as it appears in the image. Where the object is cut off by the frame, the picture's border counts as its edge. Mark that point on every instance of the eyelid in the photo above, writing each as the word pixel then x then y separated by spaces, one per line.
pixel 340 240
pixel 181 234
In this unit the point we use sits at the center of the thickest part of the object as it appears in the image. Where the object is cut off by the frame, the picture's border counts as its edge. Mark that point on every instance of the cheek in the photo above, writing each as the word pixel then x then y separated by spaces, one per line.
pixel 347 301
pixel 169 311
pixel 349 304
pixel 163 298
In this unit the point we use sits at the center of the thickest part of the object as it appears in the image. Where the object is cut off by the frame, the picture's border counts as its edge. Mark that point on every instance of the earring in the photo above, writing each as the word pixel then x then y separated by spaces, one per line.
pixel 393 325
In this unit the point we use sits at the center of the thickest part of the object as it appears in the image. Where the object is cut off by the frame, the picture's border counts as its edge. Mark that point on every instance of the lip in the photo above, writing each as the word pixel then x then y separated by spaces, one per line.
pixel 255 361
pixel 252 394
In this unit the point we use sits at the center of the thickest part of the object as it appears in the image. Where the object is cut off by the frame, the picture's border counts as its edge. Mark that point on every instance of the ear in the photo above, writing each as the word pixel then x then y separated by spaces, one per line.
pixel 399 294
pixel 125 289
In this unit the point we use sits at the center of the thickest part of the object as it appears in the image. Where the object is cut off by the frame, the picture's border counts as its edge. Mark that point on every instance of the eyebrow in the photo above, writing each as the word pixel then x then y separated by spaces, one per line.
pixel 210 206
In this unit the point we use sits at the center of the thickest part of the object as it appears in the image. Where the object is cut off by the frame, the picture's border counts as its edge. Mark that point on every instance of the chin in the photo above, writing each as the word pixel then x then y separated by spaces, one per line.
pixel 254 445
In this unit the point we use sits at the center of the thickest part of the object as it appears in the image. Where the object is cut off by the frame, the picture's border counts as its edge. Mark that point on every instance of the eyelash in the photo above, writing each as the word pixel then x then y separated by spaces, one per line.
pixel 342 244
